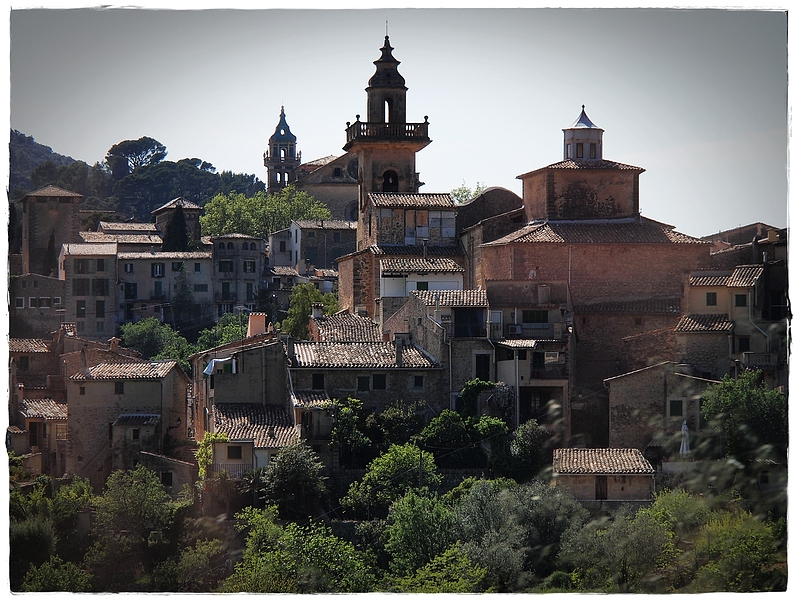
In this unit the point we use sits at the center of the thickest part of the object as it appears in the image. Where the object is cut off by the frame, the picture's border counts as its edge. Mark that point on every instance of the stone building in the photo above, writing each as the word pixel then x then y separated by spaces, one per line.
pixel 331 180
pixel 36 305
pixel 163 214
pixel 50 218
pixel 238 268
pixel 317 243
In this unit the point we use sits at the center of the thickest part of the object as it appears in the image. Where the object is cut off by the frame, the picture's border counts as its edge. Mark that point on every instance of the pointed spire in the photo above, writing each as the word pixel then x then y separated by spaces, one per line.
pixel 387 74
pixel 584 121
pixel 283 132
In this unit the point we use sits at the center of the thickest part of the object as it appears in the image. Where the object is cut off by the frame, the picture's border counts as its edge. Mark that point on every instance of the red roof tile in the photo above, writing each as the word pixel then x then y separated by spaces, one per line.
pixel 448 298
pixel 704 323
pixel 604 461
pixel 358 355
pixel 52 191
pixel 745 275
pixel 100 237
pixel 117 227
pixel 431 264
pixel 347 327
pixel 311 399
pixel 269 426
pixel 178 202
pixel 136 420
pixel 126 370
pixel 698 279
pixel 43 408
pixel 412 200
pixel 27 345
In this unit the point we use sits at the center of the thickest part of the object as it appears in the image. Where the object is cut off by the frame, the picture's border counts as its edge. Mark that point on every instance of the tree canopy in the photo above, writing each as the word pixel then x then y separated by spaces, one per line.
pixel 463 193
pixel 302 299
pixel 127 156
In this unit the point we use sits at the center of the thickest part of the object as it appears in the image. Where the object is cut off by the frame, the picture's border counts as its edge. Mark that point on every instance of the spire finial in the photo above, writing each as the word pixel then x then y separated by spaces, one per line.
pixel 386 28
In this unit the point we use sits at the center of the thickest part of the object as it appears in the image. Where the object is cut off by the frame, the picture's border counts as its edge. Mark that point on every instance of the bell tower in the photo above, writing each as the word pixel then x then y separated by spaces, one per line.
pixel 281 158
pixel 386 144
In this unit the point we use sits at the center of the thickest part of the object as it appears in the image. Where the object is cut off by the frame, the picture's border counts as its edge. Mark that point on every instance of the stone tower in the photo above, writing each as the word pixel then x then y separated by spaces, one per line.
pixel 281 158
pixel 386 144
pixel 50 218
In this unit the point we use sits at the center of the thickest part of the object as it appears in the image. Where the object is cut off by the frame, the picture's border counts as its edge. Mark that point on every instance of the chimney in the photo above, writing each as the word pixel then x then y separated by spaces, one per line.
pixel 318 310
pixel 772 235
pixel 257 324
pixel 114 342
pixel 399 349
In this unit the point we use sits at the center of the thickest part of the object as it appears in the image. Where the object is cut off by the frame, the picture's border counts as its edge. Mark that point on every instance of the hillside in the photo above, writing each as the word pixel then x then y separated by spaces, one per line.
pixel 25 154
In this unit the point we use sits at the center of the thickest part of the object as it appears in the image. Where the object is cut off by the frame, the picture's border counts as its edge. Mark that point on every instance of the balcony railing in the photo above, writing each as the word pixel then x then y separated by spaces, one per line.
pixel 387 131
pixel 236 470
pixel 760 359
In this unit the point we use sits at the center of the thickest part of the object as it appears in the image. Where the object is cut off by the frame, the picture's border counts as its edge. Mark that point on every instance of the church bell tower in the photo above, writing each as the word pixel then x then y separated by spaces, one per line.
pixel 281 158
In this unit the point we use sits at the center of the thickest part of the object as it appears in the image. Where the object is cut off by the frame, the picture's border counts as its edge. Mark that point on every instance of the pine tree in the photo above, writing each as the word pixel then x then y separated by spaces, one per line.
pixel 176 237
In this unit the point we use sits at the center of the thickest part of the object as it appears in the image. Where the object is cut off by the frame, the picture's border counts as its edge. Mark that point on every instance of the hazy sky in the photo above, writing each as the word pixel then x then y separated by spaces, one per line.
pixel 698 98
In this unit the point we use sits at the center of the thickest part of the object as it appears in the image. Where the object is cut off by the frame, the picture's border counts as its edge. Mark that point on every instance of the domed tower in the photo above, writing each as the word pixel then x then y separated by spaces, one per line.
pixel 281 158
pixel 583 139
pixel 386 144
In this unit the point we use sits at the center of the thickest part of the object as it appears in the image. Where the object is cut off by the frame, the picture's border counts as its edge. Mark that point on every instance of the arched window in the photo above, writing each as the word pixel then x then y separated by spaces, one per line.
pixel 230 246
pixel 390 181
pixel 221 245
pixel 246 246
pixel 388 110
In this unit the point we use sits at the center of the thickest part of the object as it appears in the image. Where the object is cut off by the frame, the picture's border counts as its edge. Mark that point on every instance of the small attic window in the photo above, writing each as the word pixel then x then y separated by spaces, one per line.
pixel 338 172
pixel 567 151
pixel 593 150
pixel 579 150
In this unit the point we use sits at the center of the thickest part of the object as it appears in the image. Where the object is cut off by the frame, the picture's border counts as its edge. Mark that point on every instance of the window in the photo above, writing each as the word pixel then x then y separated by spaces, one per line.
pixel 81 327
pixel 19 302
pixel 418 381
pixel 81 265
pixel 250 291
pixel 80 309
pixel 741 300
pixel 245 246
pixel 200 287
pixel 135 434
pixel 24 363
pixel 567 151
pixel 100 264
pixel 158 269
pixel 318 381
pixel 119 387
pixel 225 290
pixel 197 267
pixel 579 150
pixel 282 246
pixel 593 150
pixel 100 287
pixel 379 381
pixel 60 431
pixel 711 298
pixel 176 266
pixel 234 453
pixel 249 266
pixel 225 266
pixel 158 289
pixel 363 383
pixel 166 479
pixel 100 326
pixel 338 172
pixel 676 408
pixel 230 246
pixel 100 309
pixel 743 343
pixel 81 287
pixel 221 245
pixel 57 300
pixel 128 267
pixel 311 234
pixel 336 237
pixel 535 317
pixel 421 285
pixel 82 390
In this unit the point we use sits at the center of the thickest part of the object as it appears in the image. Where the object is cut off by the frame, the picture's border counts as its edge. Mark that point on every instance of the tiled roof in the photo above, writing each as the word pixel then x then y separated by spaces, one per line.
pixel 14 430
pixel 284 271
pixel 358 355
pixel 136 420
pixel 113 227
pixel 29 346
pixel 177 202
pixel 700 323
pixel 347 327
pixel 97 237
pixel 269 426
pixel 412 200
pixel 671 306
pixel 52 191
pixel 588 164
pixel 517 343
pixel 310 399
pixel 126 370
pixel 234 236
pixel 326 224
pixel 319 162
pixel 470 298
pixel 607 461
pixel 330 273
pixel 43 408
pixel 165 255
pixel 89 249
pixel 431 264
pixel 402 250
pixel 620 231
pixel 745 275
pixel 712 279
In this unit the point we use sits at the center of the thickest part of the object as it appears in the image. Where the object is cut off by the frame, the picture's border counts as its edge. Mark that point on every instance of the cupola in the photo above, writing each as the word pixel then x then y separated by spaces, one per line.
pixel 583 140
pixel 387 94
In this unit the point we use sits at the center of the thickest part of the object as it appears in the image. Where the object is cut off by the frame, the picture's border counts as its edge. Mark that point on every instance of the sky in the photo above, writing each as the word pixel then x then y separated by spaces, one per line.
pixel 697 98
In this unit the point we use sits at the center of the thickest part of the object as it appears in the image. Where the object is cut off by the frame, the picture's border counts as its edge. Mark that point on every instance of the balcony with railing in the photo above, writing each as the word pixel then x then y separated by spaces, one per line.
pixel 362 131
pixel 760 359
pixel 236 470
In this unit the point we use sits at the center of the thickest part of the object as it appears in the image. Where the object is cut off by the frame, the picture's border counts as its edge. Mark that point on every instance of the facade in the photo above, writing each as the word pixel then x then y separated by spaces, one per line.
pixel 317 243
pixel 191 212
pixel 331 180
pixel 90 293
pixel 238 268
pixel 150 282
pixel 50 218
pixel 36 305
pixel 604 475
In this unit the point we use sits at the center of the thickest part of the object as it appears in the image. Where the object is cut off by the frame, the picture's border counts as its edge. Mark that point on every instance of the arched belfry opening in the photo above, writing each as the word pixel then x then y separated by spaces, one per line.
pixel 390 181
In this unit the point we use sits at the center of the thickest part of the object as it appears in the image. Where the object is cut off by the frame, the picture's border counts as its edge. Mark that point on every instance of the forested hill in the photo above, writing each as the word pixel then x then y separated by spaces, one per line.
pixel 25 154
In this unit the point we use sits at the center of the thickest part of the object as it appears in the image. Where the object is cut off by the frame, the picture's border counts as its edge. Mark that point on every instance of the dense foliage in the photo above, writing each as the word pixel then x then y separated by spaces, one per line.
pixel 303 296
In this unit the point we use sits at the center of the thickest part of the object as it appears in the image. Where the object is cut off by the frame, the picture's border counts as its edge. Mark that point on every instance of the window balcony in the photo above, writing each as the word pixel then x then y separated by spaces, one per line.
pixel 361 131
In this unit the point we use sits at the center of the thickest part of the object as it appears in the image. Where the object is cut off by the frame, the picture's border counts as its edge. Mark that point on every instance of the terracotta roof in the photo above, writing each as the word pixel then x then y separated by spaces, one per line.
pixel 70 329
pixel 29 346
pixel 745 275
pixel 269 426
pixel 470 298
pixel 517 343
pixel 431 264
pixel 319 162
pixel 43 408
pixel 177 202
pixel 51 191
pixel 402 250
pixel 165 255
pixel 712 279
pixel 358 355
pixel 670 306
pixel 235 236
pixel 619 231
pixel 136 420
pixel 412 200
pixel 89 249
pixel 588 164
pixel 96 237
pixel 113 227
pixel 326 224
pixel 313 399
pixel 126 370
pixel 328 273
pixel 284 271
pixel 701 323
pixel 13 429
pixel 347 327
pixel 608 461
